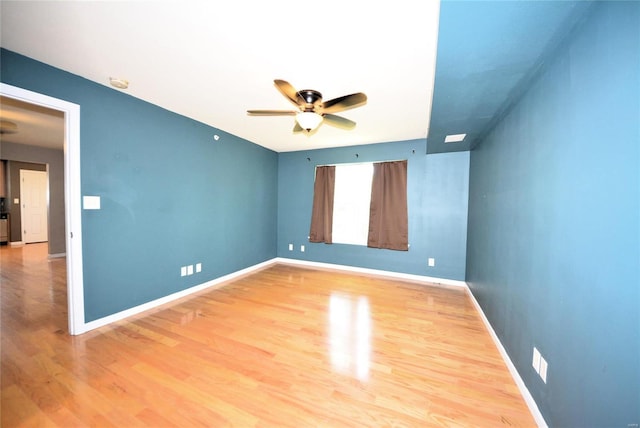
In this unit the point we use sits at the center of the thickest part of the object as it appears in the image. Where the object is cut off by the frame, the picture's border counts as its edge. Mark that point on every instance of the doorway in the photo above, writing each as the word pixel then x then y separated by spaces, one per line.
pixel 33 196
pixel 73 224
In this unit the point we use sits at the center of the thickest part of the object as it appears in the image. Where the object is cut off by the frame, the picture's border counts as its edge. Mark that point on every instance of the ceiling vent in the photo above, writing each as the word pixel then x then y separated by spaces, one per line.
pixel 454 138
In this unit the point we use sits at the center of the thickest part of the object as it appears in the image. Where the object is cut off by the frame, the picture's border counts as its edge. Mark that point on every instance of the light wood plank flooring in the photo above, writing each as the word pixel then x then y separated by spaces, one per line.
pixel 283 347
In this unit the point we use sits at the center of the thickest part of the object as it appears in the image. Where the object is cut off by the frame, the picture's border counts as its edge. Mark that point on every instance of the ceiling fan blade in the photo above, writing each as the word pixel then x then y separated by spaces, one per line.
pixel 272 112
pixel 338 121
pixel 343 103
pixel 288 91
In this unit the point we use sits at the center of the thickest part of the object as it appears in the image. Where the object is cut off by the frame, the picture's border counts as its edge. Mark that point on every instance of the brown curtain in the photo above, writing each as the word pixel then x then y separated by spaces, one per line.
pixel 322 213
pixel 388 218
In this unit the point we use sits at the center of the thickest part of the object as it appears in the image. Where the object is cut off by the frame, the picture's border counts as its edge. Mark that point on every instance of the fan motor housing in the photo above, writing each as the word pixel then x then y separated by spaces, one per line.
pixel 310 96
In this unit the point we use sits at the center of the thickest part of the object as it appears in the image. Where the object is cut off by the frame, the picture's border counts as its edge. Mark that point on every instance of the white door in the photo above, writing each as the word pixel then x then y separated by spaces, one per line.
pixel 33 196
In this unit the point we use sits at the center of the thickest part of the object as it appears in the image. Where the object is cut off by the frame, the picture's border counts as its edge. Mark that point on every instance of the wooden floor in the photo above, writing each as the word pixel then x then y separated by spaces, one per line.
pixel 284 347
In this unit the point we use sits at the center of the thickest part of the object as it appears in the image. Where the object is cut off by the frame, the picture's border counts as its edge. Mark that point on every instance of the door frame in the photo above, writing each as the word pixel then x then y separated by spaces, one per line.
pixel 72 197
pixel 23 174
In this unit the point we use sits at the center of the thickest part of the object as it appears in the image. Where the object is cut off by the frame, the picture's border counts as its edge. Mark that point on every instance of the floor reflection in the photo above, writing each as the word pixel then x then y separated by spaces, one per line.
pixel 190 316
pixel 350 335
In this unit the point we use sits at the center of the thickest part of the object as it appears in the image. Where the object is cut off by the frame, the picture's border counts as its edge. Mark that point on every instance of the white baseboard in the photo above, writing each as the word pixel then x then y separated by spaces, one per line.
pixel 528 398
pixel 16 243
pixel 218 282
pixel 407 276
pixel 57 255
pixel 214 283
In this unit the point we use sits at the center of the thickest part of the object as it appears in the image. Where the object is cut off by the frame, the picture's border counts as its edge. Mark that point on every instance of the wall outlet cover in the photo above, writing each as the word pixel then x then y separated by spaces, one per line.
pixel 543 369
pixel 536 359
pixel 198 267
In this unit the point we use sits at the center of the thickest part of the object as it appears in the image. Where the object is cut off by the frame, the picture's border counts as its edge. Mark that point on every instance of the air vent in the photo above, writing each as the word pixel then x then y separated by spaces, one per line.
pixel 454 138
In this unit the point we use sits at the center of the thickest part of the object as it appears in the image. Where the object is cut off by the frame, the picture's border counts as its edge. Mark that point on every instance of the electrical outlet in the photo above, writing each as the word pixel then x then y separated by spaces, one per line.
pixel 183 271
pixel 198 267
pixel 290 247
pixel 302 248
pixel 431 262
pixel 539 364
pixel 536 359
pixel 543 369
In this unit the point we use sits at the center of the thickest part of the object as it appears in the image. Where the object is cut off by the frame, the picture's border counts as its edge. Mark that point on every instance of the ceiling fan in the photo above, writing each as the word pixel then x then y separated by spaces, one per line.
pixel 311 110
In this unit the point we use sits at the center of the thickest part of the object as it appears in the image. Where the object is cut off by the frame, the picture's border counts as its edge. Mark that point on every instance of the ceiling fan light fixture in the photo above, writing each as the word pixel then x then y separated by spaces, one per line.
pixel 308 120
pixel 311 110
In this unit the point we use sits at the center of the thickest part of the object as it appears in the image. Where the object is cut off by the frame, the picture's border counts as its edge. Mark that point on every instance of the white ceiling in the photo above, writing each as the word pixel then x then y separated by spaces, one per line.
pixel 212 61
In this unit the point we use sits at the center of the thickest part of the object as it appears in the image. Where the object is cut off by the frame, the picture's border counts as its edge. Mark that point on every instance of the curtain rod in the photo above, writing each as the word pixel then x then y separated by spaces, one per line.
pixel 358 163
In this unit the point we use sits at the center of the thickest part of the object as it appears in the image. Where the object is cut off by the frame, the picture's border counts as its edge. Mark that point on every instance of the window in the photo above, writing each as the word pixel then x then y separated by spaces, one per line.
pixel 351 202
pixel 361 204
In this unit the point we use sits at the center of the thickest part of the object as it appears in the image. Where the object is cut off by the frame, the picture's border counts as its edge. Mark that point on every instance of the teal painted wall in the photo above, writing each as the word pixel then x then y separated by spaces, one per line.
pixel 554 225
pixel 437 192
pixel 171 195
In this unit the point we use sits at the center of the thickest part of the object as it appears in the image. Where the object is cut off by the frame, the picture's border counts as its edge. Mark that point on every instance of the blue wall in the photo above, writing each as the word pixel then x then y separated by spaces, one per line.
pixel 553 243
pixel 171 195
pixel 437 192
pixel 487 53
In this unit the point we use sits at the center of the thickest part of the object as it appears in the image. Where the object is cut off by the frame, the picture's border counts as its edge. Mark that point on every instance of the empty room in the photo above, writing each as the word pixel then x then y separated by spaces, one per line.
pixel 294 214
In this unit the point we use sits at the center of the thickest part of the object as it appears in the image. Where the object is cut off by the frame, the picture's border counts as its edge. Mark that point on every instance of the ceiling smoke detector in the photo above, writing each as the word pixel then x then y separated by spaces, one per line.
pixel 119 83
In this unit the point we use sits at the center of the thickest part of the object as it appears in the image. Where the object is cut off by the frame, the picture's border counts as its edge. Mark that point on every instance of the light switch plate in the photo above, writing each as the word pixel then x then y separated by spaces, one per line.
pixel 91 202
pixel 198 267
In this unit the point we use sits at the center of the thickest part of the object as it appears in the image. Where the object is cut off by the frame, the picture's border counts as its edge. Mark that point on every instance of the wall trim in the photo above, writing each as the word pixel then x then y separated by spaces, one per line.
pixel 212 284
pixel 16 243
pixel 399 275
pixel 528 398
pixel 57 255
pixel 221 281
